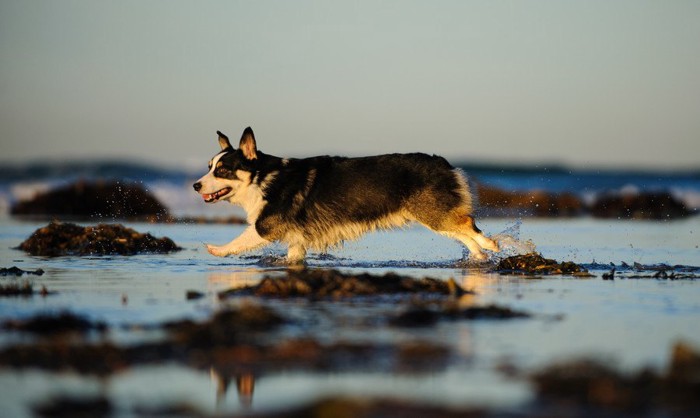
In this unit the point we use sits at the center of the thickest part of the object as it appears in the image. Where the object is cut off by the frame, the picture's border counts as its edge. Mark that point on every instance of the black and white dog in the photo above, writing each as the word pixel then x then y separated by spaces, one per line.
pixel 318 202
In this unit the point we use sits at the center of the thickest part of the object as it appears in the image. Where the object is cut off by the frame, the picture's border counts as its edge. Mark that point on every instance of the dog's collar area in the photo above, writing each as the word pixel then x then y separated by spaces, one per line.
pixel 212 197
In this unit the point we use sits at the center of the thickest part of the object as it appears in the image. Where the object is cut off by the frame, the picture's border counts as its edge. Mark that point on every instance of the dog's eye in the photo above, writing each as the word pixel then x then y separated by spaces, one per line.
pixel 222 172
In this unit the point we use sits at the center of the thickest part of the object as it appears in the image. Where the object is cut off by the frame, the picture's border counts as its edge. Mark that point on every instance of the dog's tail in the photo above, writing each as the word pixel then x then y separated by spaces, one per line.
pixel 464 188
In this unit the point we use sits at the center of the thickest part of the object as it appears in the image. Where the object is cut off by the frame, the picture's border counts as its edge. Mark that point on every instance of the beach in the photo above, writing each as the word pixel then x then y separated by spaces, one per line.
pixel 566 132
pixel 632 322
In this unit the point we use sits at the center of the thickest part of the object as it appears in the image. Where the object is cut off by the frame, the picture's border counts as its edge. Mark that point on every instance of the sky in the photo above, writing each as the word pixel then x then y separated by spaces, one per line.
pixel 611 84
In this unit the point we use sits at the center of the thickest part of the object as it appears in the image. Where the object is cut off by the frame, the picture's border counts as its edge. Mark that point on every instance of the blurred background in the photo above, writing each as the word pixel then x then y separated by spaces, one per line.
pixel 524 95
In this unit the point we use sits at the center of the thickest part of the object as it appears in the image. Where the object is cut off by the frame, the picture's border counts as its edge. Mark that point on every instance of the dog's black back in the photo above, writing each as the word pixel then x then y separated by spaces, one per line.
pixel 308 193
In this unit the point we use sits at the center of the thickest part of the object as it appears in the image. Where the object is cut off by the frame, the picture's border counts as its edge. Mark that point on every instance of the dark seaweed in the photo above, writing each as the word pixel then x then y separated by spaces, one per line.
pixel 50 324
pixel 89 200
pixel 17 289
pixel 16 271
pixel 535 264
pixel 323 283
pixel 60 239
pixel 422 316
pixel 75 407
pixel 231 341
pixel 587 383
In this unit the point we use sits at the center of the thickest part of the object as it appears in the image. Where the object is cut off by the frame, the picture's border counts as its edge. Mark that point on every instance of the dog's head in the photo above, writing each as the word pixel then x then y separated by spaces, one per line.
pixel 229 170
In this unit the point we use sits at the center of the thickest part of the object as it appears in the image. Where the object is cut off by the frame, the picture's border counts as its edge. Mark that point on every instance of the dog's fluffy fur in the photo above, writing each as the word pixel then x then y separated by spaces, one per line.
pixel 318 202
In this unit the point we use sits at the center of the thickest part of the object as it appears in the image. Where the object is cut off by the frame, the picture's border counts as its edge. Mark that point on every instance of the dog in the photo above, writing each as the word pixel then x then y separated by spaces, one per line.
pixel 319 202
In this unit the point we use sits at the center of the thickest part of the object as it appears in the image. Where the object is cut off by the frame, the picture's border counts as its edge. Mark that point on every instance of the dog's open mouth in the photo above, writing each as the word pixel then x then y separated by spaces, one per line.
pixel 213 197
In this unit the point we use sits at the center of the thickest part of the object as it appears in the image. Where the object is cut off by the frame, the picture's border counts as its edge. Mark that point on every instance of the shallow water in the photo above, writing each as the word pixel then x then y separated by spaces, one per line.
pixel 632 322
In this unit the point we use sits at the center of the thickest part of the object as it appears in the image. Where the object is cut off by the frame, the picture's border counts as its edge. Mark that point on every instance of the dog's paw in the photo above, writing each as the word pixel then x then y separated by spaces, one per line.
pixel 492 245
pixel 478 256
pixel 217 251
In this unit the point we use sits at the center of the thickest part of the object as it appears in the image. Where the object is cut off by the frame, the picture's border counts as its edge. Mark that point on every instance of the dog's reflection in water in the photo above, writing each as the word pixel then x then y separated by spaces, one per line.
pixel 245 385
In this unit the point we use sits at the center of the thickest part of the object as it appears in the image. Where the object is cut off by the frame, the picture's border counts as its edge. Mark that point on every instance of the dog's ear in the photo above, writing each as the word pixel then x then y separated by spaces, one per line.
pixel 247 144
pixel 223 141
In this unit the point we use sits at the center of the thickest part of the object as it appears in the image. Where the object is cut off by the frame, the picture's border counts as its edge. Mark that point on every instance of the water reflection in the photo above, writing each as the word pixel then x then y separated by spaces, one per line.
pixel 235 279
pixel 245 386
pixel 481 283
pixel 245 383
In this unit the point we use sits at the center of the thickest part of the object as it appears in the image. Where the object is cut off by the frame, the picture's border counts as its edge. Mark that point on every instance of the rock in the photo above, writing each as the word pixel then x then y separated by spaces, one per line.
pixel 59 239
pixel 94 200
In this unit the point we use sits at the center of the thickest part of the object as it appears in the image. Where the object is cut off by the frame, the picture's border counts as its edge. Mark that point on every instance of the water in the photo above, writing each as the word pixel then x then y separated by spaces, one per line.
pixel 633 322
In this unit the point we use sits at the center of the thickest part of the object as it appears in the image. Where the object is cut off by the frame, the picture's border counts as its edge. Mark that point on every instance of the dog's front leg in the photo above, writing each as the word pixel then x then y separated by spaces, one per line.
pixel 248 240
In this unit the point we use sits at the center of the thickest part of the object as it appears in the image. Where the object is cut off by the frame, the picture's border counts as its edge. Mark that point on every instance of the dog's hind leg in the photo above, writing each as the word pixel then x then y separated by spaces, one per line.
pixel 248 240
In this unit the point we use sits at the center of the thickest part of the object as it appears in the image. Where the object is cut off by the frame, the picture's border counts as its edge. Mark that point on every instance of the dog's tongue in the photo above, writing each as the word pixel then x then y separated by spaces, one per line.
pixel 215 195
pixel 210 197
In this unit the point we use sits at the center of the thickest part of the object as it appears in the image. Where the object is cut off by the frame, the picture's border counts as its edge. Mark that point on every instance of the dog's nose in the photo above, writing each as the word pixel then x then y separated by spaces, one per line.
pixel 197 186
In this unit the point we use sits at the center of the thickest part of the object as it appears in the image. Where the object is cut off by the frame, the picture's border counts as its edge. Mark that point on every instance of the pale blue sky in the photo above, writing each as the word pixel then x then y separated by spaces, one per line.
pixel 586 83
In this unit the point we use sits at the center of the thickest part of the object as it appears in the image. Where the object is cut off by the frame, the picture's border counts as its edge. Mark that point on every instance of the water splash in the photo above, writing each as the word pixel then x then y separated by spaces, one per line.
pixel 510 242
pixel 272 260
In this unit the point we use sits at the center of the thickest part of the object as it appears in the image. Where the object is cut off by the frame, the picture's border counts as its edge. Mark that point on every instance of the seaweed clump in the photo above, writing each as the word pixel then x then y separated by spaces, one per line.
pixel 370 408
pixel 539 203
pixel 322 283
pixel 226 328
pixel 230 331
pixel 16 271
pixel 87 200
pixel 423 317
pixel 232 341
pixel 593 384
pixel 59 239
pixel 17 289
pixel 645 205
pixel 75 407
pixel 534 264
pixel 49 324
